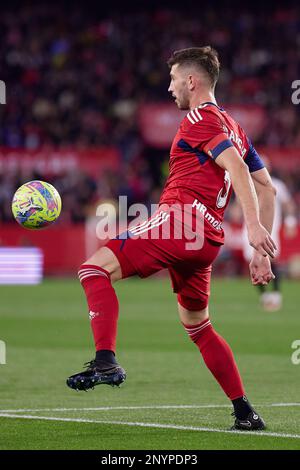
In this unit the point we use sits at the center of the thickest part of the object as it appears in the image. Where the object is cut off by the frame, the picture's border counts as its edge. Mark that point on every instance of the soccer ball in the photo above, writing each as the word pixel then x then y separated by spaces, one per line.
pixel 36 205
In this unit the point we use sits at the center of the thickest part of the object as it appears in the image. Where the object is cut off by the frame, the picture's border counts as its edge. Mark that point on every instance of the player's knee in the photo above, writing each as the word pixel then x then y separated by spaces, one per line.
pixel 105 259
pixel 193 315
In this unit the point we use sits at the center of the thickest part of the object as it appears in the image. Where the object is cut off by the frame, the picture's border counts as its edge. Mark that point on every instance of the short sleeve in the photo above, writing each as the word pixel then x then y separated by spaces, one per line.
pixel 204 130
pixel 253 160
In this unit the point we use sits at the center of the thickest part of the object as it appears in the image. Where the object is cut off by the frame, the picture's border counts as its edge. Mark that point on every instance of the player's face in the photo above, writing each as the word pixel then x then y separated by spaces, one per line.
pixel 178 87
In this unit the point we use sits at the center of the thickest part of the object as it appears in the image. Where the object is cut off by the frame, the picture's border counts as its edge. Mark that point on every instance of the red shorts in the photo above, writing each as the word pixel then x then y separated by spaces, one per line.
pixel 149 251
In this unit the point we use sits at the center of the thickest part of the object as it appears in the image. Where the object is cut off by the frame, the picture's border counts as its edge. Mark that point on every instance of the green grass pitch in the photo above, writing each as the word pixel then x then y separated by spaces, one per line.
pixel 169 400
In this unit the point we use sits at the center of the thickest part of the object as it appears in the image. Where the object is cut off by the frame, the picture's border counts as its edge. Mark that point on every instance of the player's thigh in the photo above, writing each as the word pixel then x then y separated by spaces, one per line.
pixel 125 257
pixel 138 256
pixel 192 286
pixel 106 259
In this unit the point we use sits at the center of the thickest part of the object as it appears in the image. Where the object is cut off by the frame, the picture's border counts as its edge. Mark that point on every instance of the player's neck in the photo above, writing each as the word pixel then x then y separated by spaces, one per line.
pixel 207 97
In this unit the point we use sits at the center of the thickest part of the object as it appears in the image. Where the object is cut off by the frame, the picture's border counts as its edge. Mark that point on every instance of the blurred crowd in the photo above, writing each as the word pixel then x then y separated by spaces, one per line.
pixel 75 76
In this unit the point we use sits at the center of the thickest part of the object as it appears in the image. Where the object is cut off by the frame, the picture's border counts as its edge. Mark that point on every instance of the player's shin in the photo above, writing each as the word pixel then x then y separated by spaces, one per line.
pixel 218 357
pixel 103 308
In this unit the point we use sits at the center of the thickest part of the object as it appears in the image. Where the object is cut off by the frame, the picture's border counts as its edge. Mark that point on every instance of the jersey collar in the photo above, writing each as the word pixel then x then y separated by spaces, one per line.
pixel 211 103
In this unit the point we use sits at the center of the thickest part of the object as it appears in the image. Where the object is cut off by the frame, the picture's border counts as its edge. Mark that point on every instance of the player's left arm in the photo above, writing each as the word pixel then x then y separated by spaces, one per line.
pixel 260 268
pixel 259 237
pixel 266 193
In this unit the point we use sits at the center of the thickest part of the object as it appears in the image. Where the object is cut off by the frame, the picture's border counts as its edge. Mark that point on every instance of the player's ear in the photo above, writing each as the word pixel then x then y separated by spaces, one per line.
pixel 191 82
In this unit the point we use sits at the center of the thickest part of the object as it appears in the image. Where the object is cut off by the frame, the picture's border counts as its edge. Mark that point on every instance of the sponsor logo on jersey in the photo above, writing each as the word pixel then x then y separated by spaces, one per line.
pixel 216 224
pixel 235 138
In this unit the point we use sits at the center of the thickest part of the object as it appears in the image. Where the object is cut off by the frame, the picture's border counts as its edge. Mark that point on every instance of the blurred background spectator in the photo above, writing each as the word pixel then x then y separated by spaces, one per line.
pixel 77 78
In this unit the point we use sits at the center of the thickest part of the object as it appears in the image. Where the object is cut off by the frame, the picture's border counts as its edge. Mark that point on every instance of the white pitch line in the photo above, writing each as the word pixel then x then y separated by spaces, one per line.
pixel 146 407
pixel 285 404
pixel 111 408
pixel 153 425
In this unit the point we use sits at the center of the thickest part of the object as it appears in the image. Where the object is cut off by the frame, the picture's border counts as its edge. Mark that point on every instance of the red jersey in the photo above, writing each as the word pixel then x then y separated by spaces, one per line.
pixel 194 177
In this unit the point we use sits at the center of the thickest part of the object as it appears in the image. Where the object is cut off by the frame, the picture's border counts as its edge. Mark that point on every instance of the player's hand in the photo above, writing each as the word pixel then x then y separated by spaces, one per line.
pixel 260 269
pixel 261 240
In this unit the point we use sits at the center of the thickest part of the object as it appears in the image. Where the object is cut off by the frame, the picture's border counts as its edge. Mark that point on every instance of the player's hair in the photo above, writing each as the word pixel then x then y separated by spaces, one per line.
pixel 205 58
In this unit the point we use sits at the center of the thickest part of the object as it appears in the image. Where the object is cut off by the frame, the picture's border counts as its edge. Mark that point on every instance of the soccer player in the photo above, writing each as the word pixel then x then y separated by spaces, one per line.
pixel 210 154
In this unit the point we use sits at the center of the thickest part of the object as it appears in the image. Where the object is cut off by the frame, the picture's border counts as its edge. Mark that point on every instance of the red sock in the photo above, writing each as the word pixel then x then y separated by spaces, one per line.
pixel 103 305
pixel 218 357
